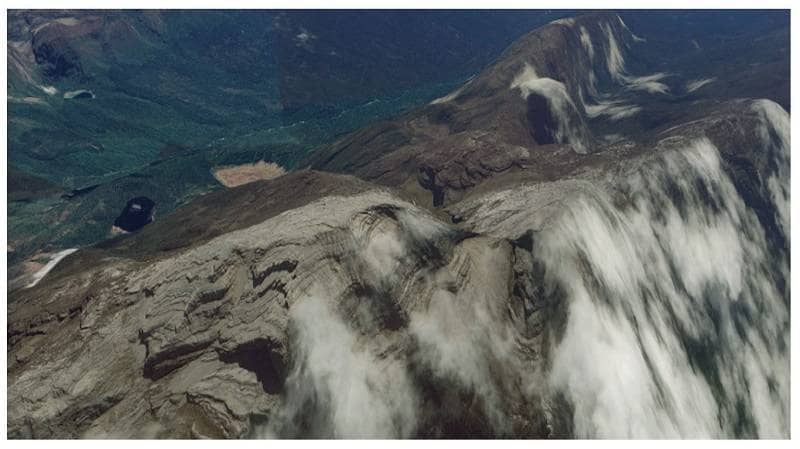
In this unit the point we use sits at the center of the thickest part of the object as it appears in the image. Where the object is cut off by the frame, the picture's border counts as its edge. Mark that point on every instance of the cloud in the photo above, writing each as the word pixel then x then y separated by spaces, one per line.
pixel 559 101
pixel 674 327
pixel 662 337
pixel 339 386
pixel 775 131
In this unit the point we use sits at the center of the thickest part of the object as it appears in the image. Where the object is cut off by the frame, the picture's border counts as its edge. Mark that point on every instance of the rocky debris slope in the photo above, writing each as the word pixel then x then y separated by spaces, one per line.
pixel 200 344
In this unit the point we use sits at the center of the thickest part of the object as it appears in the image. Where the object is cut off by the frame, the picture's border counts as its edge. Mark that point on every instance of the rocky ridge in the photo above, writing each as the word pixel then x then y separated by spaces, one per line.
pixel 251 312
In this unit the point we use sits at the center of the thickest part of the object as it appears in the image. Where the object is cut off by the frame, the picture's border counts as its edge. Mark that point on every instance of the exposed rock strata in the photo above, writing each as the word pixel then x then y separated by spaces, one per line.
pixel 457 299
pixel 216 338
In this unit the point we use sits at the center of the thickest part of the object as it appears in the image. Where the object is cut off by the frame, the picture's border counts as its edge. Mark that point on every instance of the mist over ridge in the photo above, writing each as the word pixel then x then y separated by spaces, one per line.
pixel 587 237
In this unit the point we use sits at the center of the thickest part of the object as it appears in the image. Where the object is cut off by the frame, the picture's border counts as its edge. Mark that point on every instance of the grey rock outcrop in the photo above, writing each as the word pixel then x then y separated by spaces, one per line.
pixel 199 344
pixel 492 286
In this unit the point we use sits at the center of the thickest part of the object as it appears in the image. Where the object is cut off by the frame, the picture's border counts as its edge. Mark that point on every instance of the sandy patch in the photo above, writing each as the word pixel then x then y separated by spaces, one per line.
pixel 116 230
pixel 236 175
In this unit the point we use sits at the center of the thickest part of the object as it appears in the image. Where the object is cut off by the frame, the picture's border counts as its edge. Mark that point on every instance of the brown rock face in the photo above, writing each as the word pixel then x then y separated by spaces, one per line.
pixel 512 113
pixel 206 341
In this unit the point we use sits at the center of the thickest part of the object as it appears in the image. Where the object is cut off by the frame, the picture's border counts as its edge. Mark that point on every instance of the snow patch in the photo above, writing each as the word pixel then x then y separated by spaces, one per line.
pixel 693 85
pixel 649 83
pixel 566 21
pixel 54 260
pixel 49 90
pixel 304 38
pixel 452 95
pixel 615 63
pixel 613 109
pixel 81 93
pixel 635 37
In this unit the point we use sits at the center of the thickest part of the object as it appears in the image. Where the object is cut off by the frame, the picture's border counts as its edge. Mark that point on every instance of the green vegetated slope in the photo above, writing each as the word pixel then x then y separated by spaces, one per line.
pixel 115 105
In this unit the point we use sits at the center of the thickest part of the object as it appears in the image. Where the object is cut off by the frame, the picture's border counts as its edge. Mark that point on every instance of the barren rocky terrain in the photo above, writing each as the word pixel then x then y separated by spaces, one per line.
pixel 496 263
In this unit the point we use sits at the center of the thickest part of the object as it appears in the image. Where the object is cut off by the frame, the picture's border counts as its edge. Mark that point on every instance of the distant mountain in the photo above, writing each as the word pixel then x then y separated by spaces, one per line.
pixel 101 98
pixel 581 82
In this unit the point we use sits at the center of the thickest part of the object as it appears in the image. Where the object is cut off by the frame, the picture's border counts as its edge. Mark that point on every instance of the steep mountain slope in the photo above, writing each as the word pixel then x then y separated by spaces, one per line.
pixel 577 285
pixel 123 104
pixel 569 82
